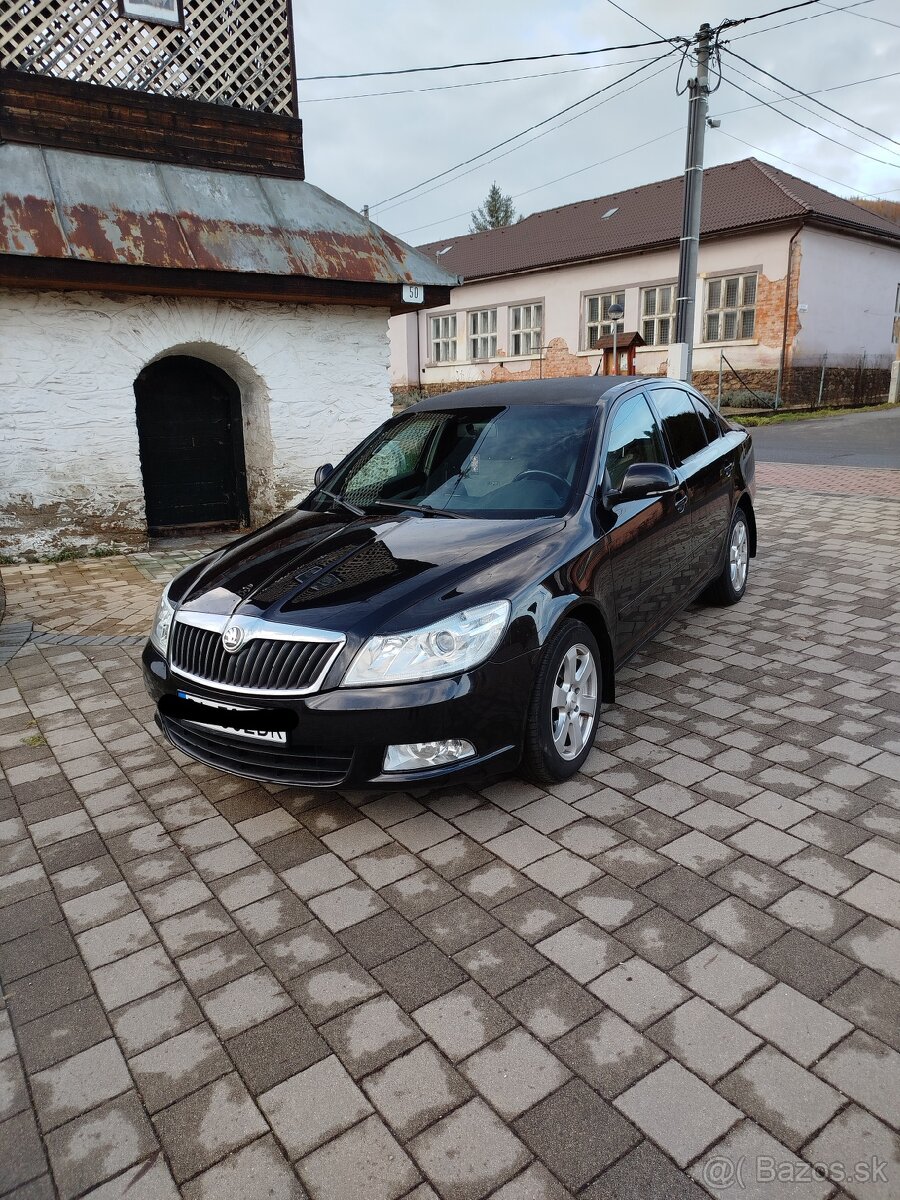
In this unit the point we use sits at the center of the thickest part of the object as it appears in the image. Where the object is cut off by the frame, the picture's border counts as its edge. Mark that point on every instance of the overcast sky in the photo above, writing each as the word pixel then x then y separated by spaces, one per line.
pixel 366 150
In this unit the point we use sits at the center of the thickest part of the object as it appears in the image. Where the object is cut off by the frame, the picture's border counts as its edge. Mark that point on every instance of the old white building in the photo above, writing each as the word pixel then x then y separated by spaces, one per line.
pixel 187 327
pixel 788 274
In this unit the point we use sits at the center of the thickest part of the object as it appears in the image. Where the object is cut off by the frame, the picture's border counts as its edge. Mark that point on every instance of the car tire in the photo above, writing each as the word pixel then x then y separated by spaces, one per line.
pixel 558 739
pixel 732 583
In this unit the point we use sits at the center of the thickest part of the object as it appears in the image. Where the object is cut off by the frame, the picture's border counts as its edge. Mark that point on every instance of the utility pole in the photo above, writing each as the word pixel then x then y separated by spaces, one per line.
pixel 680 352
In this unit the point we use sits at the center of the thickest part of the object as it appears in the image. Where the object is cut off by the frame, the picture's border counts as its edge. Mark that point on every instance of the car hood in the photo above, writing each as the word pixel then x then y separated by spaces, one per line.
pixel 326 571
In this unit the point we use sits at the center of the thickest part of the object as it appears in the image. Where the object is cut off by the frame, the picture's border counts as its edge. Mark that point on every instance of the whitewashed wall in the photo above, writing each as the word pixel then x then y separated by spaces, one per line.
pixel 313 382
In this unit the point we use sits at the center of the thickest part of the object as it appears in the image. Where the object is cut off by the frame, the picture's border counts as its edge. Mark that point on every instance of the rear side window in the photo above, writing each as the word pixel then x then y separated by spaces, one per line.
pixel 634 438
pixel 707 419
pixel 680 422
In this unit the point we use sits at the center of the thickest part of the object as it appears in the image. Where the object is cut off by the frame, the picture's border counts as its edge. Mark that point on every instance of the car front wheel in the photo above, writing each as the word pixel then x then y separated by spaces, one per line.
pixel 732 583
pixel 565 705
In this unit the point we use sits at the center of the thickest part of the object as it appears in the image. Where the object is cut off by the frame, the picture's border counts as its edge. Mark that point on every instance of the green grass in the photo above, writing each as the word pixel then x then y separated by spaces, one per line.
pixel 36 739
pixel 71 553
pixel 784 415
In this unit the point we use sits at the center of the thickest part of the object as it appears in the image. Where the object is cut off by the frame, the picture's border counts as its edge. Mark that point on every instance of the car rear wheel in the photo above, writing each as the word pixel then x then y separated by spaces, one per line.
pixel 565 705
pixel 732 583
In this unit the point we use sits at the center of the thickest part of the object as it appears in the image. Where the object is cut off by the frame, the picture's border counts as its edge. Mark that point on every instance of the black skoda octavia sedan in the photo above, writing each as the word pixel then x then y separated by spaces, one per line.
pixel 456 595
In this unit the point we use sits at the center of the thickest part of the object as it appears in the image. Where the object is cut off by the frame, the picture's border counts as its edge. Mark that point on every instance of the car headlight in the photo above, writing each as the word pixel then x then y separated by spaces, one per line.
pixel 162 623
pixel 447 647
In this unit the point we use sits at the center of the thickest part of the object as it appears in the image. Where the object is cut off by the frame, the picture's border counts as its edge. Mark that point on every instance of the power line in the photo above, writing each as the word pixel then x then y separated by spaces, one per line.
pixel 522 132
pixel 818 132
pixel 797 166
pixel 818 92
pixel 644 25
pixel 796 21
pixel 862 16
pixel 731 24
pixel 449 87
pixel 487 62
pixel 517 195
pixel 522 145
pixel 810 96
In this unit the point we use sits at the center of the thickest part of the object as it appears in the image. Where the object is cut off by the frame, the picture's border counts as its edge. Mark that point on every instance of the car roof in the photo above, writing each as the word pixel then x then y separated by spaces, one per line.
pixel 586 391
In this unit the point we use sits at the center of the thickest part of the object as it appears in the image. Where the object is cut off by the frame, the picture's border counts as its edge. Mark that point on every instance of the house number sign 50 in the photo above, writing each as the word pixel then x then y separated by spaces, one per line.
pixel 413 293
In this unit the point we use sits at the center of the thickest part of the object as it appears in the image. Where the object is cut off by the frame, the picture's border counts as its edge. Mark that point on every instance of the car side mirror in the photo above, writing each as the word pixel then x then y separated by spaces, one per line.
pixel 322 474
pixel 643 481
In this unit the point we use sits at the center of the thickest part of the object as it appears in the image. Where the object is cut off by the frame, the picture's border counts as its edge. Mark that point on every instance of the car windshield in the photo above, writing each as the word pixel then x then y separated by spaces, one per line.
pixel 493 462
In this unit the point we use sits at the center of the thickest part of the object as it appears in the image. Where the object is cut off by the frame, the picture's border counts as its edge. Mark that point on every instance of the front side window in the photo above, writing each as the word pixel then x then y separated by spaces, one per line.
pixel 730 310
pixel 597 323
pixel 634 438
pixel 711 426
pixel 483 333
pixel 526 327
pixel 680 422
pixel 657 314
pixel 520 461
pixel 443 339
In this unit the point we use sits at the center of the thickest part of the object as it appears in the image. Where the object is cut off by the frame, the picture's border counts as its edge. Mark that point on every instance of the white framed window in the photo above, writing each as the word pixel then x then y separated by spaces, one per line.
pixel 525 328
pixel 596 317
pixel 896 325
pixel 443 339
pixel 730 310
pixel 483 333
pixel 658 314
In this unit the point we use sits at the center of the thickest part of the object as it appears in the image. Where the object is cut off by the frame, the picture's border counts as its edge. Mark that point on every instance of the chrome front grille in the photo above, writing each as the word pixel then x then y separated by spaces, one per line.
pixel 287 664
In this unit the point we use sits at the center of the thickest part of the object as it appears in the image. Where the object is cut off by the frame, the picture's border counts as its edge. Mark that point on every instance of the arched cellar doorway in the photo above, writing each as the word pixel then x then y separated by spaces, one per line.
pixel 191 444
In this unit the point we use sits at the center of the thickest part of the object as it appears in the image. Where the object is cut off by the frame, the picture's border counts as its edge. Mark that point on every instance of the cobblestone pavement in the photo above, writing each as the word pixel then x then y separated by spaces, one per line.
pixel 682 964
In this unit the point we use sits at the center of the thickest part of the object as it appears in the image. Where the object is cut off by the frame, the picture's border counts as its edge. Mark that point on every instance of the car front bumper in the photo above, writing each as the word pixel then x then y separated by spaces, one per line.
pixel 342 734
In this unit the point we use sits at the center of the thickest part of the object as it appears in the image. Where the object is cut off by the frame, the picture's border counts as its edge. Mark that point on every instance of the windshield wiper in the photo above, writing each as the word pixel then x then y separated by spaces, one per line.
pixel 351 508
pixel 425 509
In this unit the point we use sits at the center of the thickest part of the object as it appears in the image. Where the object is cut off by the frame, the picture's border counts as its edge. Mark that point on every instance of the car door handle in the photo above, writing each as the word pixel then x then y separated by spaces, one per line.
pixel 727 469
pixel 681 501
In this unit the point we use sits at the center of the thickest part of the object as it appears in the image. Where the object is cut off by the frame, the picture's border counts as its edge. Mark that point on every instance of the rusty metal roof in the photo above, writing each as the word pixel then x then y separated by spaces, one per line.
pixel 95 208
pixel 739 195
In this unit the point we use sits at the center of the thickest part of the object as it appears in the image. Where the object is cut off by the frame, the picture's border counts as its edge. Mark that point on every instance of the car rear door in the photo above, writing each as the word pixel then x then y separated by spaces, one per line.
pixel 643 535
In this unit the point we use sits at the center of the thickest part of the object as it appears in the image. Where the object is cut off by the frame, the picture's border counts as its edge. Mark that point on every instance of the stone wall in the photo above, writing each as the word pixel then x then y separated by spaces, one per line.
pixel 313 381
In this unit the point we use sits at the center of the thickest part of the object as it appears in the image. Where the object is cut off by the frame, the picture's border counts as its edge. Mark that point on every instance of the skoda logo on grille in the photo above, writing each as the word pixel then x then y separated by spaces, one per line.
pixel 232 638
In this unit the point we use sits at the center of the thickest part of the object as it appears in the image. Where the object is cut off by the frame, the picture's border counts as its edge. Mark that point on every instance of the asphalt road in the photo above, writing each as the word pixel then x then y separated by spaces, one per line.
pixel 859 440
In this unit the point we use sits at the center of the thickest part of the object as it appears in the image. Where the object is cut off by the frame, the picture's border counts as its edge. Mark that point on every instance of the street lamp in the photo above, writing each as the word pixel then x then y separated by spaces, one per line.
pixel 615 312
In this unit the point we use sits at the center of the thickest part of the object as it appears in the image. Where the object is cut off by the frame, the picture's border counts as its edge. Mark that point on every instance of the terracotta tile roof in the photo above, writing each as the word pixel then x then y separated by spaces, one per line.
pixel 736 196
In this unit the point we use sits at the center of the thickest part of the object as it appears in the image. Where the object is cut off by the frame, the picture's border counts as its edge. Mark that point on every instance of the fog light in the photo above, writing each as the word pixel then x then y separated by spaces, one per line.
pixel 419 756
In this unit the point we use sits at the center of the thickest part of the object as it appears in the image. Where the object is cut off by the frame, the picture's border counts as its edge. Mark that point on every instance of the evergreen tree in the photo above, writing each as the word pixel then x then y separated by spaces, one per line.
pixel 496 212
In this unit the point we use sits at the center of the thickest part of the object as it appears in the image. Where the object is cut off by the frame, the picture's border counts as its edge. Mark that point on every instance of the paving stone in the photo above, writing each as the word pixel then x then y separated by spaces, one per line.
pixel 347 905
pixel 463 1021
pixel 493 884
pixel 97 907
pixel 638 991
pixel 699 853
pixel 840 1142
pixel 704 1040
pixel 514 1072
pixel 172 1069
pixel 21 1151
pixel 291 953
pixel 753 881
pixel 575 1133
pixel 317 875
pixel 609 903
pixel 868 1072
pixel 196 927
pixel 785 1099
pixel 415 1089
pixel 175 895
pixel 62 1033
pixel 662 938
pixel 386 865
pixel 486 821
pixel 646 1173
pixel 535 1183
pixel 134 976
pixel 239 1176
pixel 682 892
pixel 825 872
pixel 764 1160
pixel 500 961
pixel 382 937
pixel 724 978
pixel 364 1161
pixel 13 1091
pixel 875 944
pixel 207 1125
pixel 562 872
pixel 741 926
pixel 312 1106
pixel 872 1003
pixel 878 896
pixel 224 860
pixel 457 856
pixel 150 1020
pixel 550 1003
pixel 469 1153
pixel 359 838
pixel 93 1147
pixel 632 863
pixel 147 1180
pixel 244 1002
pixel 289 850
pixel 767 843
pixel 678 1111
pixel 583 950
pixel 419 833
pixel 270 916
pixel 608 1054
pixel 816 914
pixel 586 836
pixel 419 975
pixel 716 820
pixel 532 915
pixel 417 894
pixel 326 991
pixel 78 1083
pixel 370 1035
pixel 650 828
pixel 275 1049
pixel 797 1025
pixel 115 939
pixel 806 964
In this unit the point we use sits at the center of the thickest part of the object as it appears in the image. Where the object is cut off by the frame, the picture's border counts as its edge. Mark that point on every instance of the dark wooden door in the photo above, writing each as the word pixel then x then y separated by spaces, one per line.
pixel 191 446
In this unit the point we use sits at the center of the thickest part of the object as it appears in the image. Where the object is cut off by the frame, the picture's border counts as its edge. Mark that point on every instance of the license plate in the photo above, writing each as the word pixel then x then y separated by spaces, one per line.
pixel 259 735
